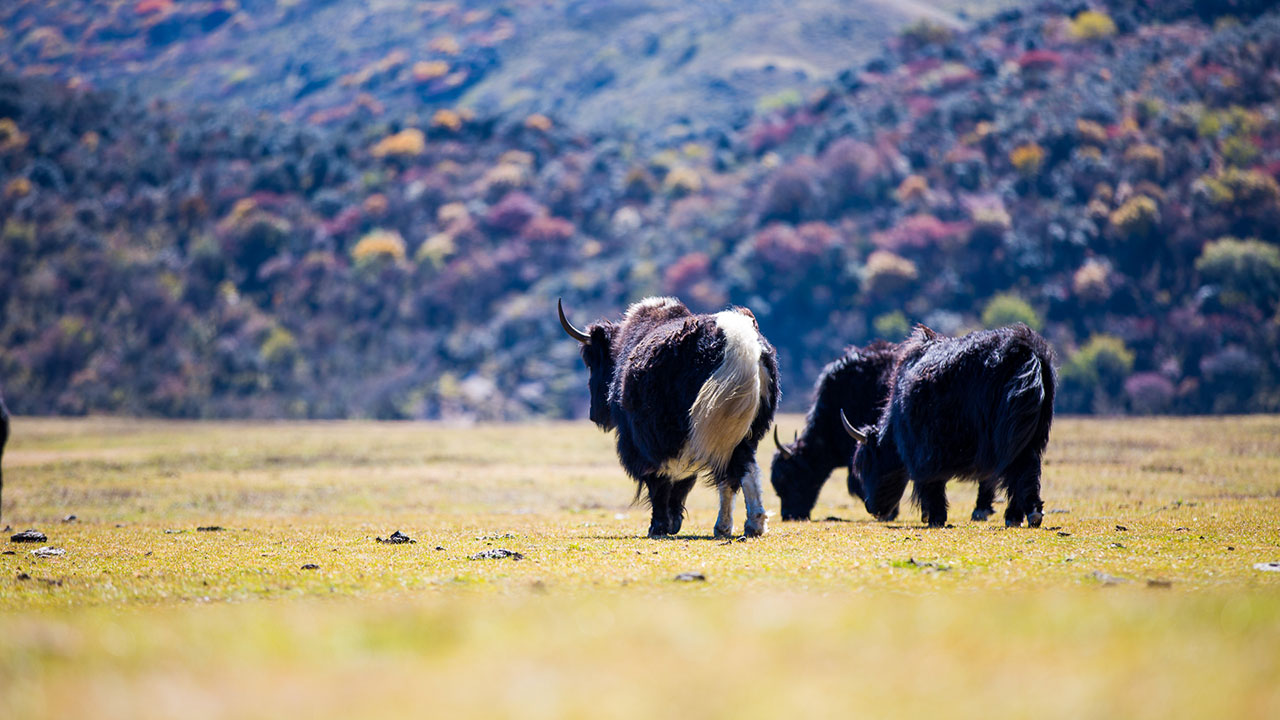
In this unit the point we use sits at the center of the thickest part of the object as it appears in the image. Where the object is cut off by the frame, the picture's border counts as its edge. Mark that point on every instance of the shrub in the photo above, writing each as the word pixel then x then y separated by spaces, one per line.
pixel 379 244
pixel 1136 217
pixel 1027 159
pixel 1007 309
pixel 1146 160
pixel 547 230
pixel 1249 270
pixel 791 193
pixel 1149 393
pixel 854 172
pixel 914 187
pixel 513 212
pixel 1239 150
pixel 1092 25
pixel 919 232
pixel 1092 281
pixel 1234 187
pixel 408 143
pixel 1103 360
pixel 682 181
pixel 686 272
pixel 924 32
pixel 886 272
pixel 892 326
pixel 1091 132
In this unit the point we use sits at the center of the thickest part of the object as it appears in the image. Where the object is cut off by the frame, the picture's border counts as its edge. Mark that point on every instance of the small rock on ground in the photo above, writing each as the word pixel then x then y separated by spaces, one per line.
pixel 497 554
pixel 691 577
pixel 210 528
pixel 29 536
pixel 1268 567
pixel 311 566
pixel 1107 579
pixel 396 538
pixel 48 552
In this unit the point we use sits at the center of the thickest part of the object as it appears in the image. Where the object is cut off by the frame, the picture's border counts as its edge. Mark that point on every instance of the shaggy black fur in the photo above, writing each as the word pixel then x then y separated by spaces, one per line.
pixel 645 373
pixel 977 407
pixel 858 383
pixel 4 438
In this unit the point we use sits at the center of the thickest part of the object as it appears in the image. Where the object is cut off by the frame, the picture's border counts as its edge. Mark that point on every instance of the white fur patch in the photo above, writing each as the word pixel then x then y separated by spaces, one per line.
pixel 649 303
pixel 727 403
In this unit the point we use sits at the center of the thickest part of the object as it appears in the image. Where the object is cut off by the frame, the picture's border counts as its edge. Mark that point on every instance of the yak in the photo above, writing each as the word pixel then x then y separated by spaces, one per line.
pixel 977 407
pixel 858 380
pixel 4 439
pixel 687 394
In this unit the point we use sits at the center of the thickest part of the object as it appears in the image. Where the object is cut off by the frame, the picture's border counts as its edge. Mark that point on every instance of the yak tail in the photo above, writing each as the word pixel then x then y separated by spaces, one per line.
pixel 721 416
pixel 1026 410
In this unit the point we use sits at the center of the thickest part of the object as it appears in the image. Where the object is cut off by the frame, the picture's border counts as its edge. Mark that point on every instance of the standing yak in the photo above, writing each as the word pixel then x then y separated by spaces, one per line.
pixel 856 383
pixel 4 438
pixel 687 393
pixel 977 407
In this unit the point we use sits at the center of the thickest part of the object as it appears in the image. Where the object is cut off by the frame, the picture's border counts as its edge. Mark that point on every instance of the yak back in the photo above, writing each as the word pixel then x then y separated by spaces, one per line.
pixel 858 383
pixel 662 364
pixel 968 406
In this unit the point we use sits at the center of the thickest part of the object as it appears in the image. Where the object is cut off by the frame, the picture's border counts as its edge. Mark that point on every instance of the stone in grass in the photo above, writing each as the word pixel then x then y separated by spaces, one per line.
pixel 1267 566
pixel 497 554
pixel 691 577
pixel 311 566
pixel 210 528
pixel 396 538
pixel 29 536
pixel 48 552
pixel 1107 579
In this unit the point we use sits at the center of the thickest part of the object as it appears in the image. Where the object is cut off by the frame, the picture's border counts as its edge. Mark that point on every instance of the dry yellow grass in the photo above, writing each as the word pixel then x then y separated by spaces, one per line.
pixel 144 616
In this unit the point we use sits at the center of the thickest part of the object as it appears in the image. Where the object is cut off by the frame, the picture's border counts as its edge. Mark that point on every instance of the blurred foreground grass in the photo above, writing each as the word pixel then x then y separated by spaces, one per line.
pixel 1140 599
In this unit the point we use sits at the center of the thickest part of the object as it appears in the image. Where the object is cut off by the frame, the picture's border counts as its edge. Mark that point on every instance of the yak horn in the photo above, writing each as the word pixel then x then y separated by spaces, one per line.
pixel 849 428
pixel 573 332
pixel 785 452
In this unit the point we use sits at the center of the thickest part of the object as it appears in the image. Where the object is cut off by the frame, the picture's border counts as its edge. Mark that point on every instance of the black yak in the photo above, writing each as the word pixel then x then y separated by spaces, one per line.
pixel 977 407
pixel 4 438
pixel 686 393
pixel 856 383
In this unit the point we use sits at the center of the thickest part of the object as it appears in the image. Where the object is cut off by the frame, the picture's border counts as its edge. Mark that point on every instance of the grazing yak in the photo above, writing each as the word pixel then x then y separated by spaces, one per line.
pixel 977 407
pixel 856 383
pixel 687 394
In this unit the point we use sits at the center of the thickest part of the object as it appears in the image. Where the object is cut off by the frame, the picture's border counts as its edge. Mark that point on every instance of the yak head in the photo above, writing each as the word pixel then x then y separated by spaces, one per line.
pixel 597 355
pixel 878 477
pixel 795 481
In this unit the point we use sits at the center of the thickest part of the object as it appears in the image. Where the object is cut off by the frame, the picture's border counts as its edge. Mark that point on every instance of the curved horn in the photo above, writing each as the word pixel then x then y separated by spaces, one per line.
pixel 573 332
pixel 849 428
pixel 785 452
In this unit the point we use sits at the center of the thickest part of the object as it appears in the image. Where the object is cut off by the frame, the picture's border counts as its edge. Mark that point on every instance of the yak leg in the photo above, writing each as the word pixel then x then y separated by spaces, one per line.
pixel 757 518
pixel 660 501
pixel 675 504
pixel 983 508
pixel 724 521
pixel 1022 480
pixel 933 503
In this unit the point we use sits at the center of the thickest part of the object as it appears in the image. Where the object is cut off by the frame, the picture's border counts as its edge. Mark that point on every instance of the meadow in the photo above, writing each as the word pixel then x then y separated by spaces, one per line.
pixel 234 570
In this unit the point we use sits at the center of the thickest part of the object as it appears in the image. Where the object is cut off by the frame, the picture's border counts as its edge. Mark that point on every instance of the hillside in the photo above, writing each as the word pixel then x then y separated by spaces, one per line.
pixel 642 65
pixel 1108 176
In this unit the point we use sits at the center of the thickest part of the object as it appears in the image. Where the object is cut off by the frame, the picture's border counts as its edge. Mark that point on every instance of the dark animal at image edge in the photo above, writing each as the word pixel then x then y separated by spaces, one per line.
pixel 858 381
pixel 977 407
pixel 4 439
pixel 687 394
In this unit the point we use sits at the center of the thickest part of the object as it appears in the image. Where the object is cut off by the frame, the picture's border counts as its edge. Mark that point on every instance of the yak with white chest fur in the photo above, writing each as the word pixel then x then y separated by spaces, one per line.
pixel 687 394
pixel 977 407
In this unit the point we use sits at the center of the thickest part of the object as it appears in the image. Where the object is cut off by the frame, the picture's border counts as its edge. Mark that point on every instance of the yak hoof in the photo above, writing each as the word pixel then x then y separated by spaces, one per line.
pixel 1034 519
pixel 981 514
pixel 1010 522
pixel 722 533
pixel 755 527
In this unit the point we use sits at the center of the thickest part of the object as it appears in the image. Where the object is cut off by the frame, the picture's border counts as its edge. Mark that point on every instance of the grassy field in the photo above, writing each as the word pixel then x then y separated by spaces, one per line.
pixel 1139 598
